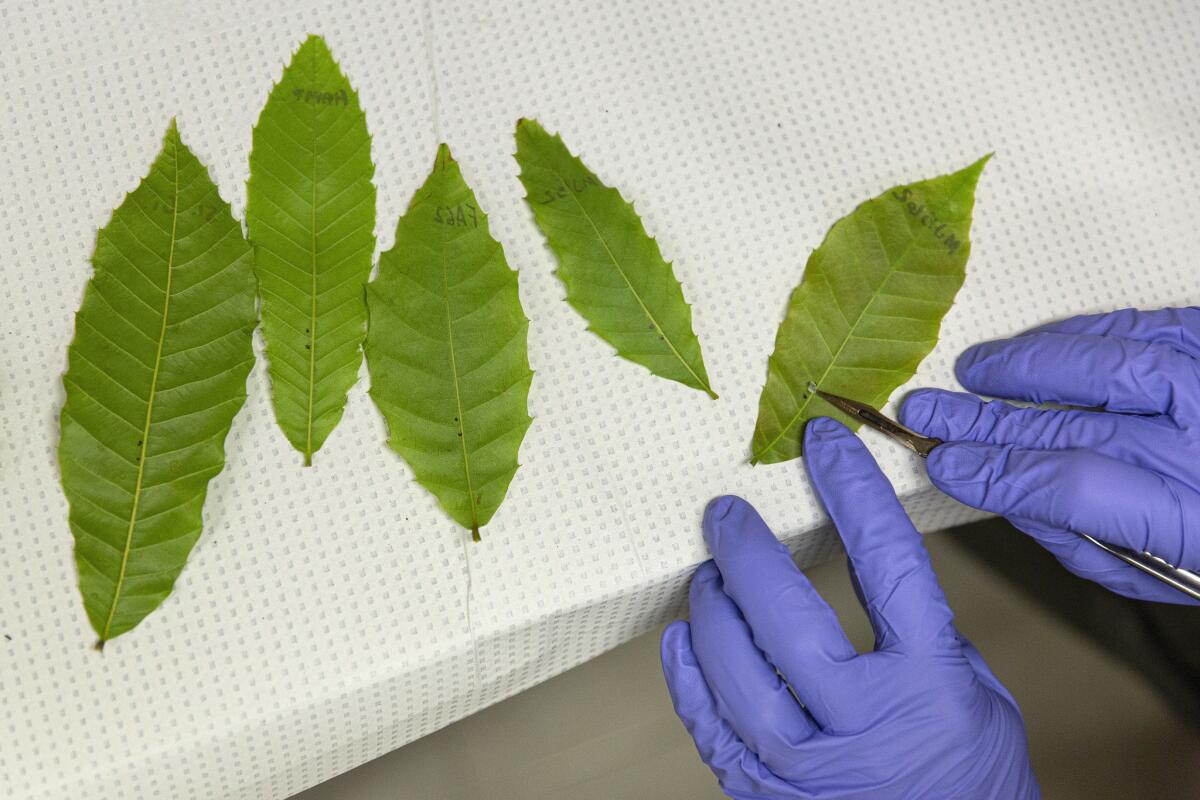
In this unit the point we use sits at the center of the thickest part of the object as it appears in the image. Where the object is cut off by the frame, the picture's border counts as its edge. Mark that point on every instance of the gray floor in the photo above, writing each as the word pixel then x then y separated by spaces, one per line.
pixel 606 731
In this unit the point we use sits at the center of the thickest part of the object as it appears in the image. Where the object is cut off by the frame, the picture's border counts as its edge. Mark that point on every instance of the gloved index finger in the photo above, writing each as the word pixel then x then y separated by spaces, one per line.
pixel 1123 375
pixel 900 590
pixel 1177 327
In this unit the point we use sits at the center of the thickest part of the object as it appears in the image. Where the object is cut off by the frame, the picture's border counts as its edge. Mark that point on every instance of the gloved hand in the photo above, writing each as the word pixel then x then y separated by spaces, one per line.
pixel 920 717
pixel 1127 473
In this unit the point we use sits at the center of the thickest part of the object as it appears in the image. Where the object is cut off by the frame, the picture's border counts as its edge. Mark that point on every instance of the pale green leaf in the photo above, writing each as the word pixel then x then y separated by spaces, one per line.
pixel 311 218
pixel 446 349
pixel 156 372
pixel 869 307
pixel 613 271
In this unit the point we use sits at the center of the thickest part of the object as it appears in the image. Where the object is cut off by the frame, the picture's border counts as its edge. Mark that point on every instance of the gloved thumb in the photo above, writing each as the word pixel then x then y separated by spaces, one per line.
pixel 970 471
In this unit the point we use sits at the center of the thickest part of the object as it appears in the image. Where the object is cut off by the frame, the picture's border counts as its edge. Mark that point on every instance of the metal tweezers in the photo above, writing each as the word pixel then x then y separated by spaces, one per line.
pixel 1180 579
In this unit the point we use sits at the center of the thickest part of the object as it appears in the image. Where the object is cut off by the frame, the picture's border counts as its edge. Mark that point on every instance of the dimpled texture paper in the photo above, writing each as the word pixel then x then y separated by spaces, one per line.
pixel 332 614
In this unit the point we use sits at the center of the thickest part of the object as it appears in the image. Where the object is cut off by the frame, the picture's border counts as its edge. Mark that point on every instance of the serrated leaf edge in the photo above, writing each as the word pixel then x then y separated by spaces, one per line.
pixel 173 137
pixel 315 40
pixel 442 161
pixel 704 383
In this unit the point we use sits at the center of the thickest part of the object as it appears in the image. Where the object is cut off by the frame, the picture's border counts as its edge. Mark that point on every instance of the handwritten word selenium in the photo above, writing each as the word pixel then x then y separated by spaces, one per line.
pixel 928 219
pixel 576 185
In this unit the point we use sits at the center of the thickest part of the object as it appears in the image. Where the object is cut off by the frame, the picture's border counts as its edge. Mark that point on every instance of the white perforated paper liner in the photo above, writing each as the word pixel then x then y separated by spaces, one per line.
pixel 332 614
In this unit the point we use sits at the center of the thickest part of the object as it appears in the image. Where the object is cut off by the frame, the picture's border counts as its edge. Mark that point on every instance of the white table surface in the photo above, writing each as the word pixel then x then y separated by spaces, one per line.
pixel 330 615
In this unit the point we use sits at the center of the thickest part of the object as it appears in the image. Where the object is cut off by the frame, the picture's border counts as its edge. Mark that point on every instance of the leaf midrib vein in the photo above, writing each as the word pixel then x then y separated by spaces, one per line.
pixel 312 328
pixel 145 444
pixel 612 256
pixel 462 422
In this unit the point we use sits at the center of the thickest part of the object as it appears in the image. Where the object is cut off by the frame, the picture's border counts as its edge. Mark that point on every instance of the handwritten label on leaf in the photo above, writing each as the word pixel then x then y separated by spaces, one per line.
pixel 869 307
pixel 614 273
pixel 156 372
pixel 311 217
pixel 446 349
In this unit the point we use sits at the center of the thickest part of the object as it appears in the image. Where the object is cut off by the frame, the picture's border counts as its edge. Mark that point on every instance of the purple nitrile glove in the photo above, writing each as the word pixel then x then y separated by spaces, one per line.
pixel 920 717
pixel 1127 472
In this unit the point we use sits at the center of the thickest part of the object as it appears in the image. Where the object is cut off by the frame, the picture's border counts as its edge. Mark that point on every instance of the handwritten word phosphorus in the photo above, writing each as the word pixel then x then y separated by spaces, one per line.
pixel 463 214
pixel 313 97
pixel 576 185
pixel 928 219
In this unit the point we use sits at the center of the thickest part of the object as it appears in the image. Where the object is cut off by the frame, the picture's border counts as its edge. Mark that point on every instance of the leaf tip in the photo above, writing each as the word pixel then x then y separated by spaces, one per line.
pixel 444 157
pixel 314 40
pixel 974 169
pixel 171 137
pixel 315 49
pixel 531 125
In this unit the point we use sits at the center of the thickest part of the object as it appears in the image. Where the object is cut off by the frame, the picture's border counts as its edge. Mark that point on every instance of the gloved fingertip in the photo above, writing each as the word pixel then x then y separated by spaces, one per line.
pixel 825 442
pixel 676 654
pixel 918 409
pixel 823 436
pixel 676 640
pixel 718 508
pixel 721 513
pixel 945 415
pixel 706 574
pixel 968 364
pixel 824 429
